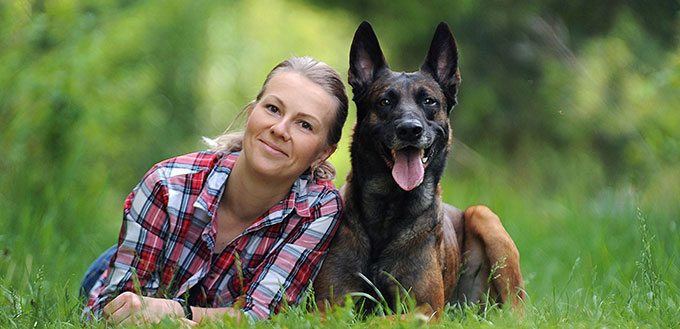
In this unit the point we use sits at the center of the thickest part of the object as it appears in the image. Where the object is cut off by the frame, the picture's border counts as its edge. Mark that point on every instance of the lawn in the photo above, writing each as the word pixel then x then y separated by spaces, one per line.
pixel 600 262
pixel 567 127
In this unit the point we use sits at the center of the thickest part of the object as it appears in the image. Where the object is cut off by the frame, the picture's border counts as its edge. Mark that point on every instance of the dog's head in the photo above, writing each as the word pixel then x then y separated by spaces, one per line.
pixel 405 115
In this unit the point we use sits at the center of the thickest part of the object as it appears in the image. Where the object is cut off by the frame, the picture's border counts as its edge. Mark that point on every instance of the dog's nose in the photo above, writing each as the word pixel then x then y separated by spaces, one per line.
pixel 409 130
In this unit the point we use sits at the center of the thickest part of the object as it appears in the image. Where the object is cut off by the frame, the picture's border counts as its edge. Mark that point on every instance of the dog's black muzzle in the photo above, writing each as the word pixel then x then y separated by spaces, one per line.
pixel 409 130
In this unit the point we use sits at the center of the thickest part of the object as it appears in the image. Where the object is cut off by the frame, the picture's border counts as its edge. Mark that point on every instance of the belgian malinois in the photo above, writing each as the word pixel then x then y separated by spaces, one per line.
pixel 395 232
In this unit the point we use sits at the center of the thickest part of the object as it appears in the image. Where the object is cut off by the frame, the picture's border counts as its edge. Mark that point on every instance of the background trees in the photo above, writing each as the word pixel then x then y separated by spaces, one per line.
pixel 567 124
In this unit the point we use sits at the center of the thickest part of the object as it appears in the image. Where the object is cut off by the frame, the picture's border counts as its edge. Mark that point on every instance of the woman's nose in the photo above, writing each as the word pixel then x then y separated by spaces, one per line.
pixel 280 129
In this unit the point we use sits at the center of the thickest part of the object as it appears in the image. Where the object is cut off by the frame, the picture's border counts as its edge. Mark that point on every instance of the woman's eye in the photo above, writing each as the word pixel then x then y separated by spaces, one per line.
pixel 430 101
pixel 273 108
pixel 305 125
pixel 385 102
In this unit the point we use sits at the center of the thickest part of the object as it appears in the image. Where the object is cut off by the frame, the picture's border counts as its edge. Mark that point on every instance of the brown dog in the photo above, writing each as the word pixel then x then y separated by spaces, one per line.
pixel 395 226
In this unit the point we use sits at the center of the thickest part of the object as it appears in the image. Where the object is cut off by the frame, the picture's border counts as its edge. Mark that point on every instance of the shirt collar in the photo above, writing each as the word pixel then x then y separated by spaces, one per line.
pixel 215 183
pixel 301 195
pixel 212 190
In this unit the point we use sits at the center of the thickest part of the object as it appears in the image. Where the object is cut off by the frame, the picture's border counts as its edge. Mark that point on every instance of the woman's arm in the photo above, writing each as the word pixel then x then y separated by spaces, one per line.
pixel 283 274
pixel 133 266
pixel 286 273
pixel 130 308
pixel 202 314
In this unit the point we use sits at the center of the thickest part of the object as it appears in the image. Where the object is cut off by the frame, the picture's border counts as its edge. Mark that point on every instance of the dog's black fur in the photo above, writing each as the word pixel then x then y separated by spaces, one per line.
pixel 394 225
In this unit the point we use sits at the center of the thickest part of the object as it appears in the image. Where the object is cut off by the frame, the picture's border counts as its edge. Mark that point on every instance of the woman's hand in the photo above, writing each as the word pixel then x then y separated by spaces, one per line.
pixel 129 308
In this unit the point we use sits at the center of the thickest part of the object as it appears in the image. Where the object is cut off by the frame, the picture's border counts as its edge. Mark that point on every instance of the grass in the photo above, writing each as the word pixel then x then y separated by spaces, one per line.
pixel 85 89
pixel 588 261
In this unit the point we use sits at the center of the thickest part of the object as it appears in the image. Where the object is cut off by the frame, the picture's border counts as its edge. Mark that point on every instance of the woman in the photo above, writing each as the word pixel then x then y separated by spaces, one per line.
pixel 229 232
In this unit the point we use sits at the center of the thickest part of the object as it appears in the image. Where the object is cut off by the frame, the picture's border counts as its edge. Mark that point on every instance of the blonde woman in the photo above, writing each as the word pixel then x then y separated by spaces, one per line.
pixel 239 230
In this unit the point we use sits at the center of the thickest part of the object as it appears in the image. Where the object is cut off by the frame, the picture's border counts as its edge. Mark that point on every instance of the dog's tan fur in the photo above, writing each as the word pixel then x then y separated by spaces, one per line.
pixel 436 252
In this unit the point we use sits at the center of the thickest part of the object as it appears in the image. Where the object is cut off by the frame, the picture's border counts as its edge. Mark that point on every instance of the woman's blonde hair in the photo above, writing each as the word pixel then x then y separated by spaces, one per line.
pixel 318 72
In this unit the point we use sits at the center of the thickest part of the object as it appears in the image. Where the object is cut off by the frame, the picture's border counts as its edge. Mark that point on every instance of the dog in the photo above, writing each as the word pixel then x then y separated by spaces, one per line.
pixel 396 236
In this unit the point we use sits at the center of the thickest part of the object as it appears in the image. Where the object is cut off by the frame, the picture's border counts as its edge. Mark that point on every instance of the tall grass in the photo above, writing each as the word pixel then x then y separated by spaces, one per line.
pixel 597 262
pixel 92 94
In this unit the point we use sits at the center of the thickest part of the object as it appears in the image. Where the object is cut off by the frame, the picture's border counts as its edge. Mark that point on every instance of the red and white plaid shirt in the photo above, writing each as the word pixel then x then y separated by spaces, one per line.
pixel 168 235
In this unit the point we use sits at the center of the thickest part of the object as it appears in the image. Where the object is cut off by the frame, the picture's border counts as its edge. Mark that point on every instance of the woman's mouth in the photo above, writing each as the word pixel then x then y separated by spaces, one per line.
pixel 272 149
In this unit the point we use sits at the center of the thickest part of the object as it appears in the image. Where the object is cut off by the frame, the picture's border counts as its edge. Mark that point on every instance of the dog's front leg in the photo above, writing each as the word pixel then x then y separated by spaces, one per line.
pixel 337 277
pixel 490 260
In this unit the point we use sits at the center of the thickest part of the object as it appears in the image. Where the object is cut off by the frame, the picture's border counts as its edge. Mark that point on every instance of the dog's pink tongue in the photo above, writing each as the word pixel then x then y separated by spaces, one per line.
pixel 408 169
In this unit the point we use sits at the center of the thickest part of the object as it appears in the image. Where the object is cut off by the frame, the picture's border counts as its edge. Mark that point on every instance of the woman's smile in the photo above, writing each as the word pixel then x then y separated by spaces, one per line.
pixel 287 128
pixel 272 149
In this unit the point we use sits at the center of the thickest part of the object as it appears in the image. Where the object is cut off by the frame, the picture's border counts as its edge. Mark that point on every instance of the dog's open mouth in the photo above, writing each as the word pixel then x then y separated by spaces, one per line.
pixel 408 165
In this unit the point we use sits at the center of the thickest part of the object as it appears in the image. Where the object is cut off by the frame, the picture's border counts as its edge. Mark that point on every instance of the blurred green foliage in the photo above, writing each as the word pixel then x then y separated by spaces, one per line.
pixel 567 123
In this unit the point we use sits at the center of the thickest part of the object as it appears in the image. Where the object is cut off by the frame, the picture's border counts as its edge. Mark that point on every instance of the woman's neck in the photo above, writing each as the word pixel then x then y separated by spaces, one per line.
pixel 248 195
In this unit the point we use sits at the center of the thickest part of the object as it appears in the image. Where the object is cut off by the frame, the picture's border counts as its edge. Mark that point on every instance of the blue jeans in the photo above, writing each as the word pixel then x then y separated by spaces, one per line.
pixel 95 271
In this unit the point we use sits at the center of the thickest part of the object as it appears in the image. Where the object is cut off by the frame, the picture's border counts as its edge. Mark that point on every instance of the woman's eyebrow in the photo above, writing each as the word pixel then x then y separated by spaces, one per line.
pixel 276 100
pixel 310 118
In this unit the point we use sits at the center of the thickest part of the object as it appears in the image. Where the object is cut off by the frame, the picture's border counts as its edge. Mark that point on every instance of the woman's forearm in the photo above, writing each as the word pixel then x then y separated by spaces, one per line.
pixel 130 308
pixel 201 314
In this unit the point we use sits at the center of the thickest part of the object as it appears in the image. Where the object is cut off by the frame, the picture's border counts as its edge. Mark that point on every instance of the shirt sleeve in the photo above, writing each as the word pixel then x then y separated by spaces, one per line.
pixel 140 243
pixel 286 274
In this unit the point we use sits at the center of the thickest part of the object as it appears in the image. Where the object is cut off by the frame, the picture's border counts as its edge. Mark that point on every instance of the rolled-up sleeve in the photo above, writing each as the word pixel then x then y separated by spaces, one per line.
pixel 286 274
pixel 140 243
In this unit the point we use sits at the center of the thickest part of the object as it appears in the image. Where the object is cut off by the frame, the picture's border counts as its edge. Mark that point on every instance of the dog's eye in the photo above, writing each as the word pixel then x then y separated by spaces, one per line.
pixel 385 102
pixel 430 101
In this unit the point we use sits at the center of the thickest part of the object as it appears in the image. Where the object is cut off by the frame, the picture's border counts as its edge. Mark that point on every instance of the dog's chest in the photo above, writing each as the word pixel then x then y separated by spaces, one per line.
pixel 399 260
pixel 380 200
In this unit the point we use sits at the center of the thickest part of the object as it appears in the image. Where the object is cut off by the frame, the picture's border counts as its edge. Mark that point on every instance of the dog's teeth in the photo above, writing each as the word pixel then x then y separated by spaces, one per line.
pixel 425 160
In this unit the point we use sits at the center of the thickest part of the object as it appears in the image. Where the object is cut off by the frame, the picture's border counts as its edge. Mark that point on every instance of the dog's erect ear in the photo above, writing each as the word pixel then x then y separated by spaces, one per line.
pixel 442 63
pixel 366 59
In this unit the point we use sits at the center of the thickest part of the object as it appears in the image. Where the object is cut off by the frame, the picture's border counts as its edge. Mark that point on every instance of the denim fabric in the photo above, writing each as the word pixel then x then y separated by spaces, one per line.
pixel 95 271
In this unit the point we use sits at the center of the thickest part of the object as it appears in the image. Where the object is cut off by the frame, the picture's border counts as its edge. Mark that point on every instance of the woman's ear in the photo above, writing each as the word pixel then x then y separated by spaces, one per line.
pixel 249 110
pixel 251 107
pixel 322 169
pixel 330 149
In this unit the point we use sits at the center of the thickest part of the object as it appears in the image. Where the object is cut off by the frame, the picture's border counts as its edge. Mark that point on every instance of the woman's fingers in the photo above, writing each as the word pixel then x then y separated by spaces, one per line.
pixel 124 315
pixel 186 323
pixel 121 308
pixel 112 306
pixel 130 308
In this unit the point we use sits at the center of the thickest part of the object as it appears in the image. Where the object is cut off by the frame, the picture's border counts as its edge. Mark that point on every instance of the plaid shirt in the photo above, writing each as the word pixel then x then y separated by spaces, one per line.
pixel 168 236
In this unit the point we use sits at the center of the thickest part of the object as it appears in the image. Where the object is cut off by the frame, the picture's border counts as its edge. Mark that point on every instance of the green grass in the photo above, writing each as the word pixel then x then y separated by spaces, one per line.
pixel 597 260
pixel 578 151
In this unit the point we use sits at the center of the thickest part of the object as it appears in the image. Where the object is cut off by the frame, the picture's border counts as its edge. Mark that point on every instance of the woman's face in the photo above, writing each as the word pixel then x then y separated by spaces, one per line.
pixel 287 128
